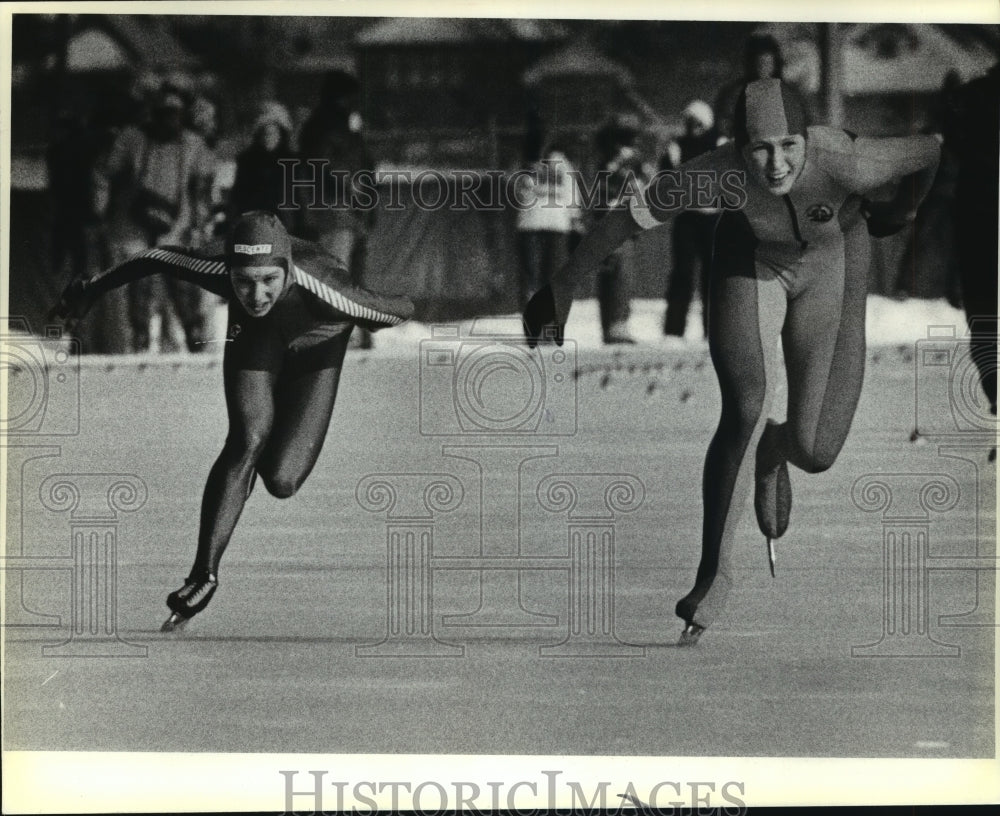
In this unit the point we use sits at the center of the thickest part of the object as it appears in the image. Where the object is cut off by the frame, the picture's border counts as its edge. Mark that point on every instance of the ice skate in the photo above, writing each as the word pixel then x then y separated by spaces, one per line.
pixel 773 493
pixel 189 600
pixel 690 635
pixel 174 623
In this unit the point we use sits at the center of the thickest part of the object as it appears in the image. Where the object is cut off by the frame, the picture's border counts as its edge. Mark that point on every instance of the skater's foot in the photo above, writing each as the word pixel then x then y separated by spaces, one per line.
pixel 685 610
pixel 690 635
pixel 773 492
pixel 174 623
pixel 618 335
pixel 190 599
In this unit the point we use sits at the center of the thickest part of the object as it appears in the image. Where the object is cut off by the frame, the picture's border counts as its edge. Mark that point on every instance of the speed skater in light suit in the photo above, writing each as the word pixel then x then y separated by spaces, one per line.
pixel 791 253
pixel 291 312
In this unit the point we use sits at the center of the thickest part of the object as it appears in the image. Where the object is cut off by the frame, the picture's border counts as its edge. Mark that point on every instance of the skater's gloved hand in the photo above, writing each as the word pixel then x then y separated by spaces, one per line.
pixel 74 303
pixel 540 319
pixel 885 218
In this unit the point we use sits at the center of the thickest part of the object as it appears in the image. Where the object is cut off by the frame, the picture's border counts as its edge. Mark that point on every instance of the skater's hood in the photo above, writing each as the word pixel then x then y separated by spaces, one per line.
pixel 259 238
pixel 767 109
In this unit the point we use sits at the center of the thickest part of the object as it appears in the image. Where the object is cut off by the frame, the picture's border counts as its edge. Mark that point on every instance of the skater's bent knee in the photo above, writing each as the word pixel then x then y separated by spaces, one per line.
pixel 744 414
pixel 248 444
pixel 816 460
pixel 281 487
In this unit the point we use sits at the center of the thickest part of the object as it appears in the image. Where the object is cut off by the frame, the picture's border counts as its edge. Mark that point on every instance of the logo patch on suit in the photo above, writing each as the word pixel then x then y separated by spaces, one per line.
pixel 820 213
pixel 252 249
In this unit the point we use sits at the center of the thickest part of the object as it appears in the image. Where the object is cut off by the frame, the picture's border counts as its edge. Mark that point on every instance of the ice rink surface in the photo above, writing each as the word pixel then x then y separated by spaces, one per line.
pixel 874 639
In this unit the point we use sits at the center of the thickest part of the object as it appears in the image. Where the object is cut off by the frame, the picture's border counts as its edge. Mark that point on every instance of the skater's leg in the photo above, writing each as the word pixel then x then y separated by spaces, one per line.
pixel 250 403
pixel 680 285
pixel 706 241
pixel 824 342
pixel 977 227
pixel 529 244
pixel 303 407
pixel 745 319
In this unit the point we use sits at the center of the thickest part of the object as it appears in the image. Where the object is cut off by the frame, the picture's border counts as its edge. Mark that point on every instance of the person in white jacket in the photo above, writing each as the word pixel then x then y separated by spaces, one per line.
pixel 549 214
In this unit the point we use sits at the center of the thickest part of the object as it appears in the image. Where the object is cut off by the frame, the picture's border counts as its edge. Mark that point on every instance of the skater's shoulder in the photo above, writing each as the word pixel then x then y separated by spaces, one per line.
pixel 309 258
pixel 830 142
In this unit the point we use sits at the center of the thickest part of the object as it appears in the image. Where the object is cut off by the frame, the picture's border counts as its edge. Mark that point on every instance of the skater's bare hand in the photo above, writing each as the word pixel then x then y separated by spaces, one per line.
pixel 885 218
pixel 73 304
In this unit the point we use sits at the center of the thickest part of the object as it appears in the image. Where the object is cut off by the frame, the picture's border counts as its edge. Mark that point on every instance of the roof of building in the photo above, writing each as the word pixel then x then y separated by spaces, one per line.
pixel 122 41
pixel 580 58
pixel 439 30
pixel 908 58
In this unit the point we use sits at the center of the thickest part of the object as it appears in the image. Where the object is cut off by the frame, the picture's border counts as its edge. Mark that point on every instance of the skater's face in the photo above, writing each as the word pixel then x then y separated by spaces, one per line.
pixel 776 163
pixel 257 288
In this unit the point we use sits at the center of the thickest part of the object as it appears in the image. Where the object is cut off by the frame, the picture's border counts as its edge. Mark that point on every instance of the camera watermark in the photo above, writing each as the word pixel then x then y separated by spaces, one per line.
pixel 43 382
pixel 486 381
pixel 316 791
pixel 950 401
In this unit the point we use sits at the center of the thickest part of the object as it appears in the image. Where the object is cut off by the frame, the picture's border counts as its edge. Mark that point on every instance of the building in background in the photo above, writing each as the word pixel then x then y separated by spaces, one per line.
pixel 455 93
pixel 447 92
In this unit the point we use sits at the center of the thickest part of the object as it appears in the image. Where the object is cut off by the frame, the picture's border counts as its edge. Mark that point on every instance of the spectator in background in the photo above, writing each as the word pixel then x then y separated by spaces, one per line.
pixel 203 119
pixel 548 215
pixel 929 266
pixel 622 174
pixel 762 59
pixel 151 190
pixel 972 134
pixel 69 160
pixel 333 133
pixel 693 230
pixel 259 181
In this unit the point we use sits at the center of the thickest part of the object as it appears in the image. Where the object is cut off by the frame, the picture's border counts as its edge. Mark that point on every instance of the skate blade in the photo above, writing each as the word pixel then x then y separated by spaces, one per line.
pixel 690 635
pixel 770 555
pixel 175 623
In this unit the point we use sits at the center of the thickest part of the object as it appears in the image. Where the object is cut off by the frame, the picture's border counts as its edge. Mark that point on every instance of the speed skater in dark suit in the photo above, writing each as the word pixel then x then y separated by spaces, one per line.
pixel 291 312
pixel 790 262
pixel 972 133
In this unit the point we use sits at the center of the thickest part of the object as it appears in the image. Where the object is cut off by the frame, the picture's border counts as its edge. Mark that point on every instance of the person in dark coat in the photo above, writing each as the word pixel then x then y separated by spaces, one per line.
pixel 260 183
pixel 341 223
pixel 972 133
pixel 623 174
pixel 694 229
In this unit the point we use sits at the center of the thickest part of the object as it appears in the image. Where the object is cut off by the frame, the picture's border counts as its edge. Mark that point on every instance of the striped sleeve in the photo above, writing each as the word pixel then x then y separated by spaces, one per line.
pixel 340 300
pixel 210 273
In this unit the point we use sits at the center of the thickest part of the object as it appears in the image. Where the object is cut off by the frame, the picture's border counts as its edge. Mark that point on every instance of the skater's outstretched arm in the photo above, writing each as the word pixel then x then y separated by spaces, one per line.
pixel 334 296
pixel 692 186
pixel 549 307
pixel 863 165
pixel 205 267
